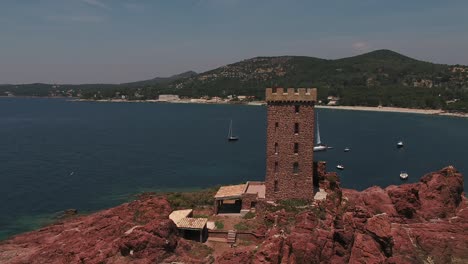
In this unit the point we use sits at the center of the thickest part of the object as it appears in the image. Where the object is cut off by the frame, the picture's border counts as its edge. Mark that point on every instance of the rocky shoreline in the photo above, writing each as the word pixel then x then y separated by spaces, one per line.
pixel 423 222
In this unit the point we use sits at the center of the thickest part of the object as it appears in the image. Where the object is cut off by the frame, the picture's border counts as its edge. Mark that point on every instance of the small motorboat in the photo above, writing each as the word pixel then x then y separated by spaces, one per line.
pixel 403 175
pixel 340 167
pixel 399 144
pixel 347 150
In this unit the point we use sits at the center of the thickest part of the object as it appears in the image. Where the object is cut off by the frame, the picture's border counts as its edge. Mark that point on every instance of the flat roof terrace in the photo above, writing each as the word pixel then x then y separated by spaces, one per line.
pixel 230 192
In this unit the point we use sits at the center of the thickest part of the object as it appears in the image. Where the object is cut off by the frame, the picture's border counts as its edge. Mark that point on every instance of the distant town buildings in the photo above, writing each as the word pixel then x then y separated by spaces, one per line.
pixel 333 100
pixel 168 97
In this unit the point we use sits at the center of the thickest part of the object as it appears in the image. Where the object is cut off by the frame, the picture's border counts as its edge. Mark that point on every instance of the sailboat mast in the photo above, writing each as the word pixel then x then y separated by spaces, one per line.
pixel 318 132
pixel 230 129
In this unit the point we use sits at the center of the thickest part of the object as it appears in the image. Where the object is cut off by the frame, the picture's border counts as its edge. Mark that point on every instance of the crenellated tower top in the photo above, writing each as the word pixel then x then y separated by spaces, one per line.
pixel 291 95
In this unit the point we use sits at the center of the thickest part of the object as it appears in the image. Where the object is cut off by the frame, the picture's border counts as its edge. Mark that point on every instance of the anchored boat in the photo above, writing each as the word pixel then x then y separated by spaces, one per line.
pixel 230 136
pixel 320 146
pixel 404 175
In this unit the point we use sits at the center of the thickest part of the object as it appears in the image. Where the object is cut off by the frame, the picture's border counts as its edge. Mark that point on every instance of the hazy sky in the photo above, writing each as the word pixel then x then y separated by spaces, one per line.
pixel 88 41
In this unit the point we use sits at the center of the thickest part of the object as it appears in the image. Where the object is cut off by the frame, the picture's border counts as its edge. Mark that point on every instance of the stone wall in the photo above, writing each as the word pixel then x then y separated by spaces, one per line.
pixel 244 235
pixel 281 180
pixel 247 199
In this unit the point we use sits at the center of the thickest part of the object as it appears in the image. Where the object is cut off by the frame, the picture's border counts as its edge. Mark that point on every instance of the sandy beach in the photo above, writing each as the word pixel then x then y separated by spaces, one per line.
pixel 395 110
pixel 261 103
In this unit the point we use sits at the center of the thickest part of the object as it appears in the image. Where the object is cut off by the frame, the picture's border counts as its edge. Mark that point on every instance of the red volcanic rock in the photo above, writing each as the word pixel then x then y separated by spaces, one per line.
pixel 271 249
pixel 365 250
pixel 437 195
pixel 136 232
pixel 440 193
pixel 424 222
pixel 374 199
pixel 405 199
pixel 237 257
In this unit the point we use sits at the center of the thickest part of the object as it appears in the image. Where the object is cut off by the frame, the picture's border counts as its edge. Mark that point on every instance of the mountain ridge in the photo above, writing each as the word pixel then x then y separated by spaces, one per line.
pixel 380 77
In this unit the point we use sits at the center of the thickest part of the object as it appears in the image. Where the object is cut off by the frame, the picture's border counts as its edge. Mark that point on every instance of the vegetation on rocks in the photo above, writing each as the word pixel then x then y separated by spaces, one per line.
pixel 182 200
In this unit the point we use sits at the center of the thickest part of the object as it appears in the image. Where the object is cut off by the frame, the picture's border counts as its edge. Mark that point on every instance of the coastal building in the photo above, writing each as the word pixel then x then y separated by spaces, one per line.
pixel 241 198
pixel 290 143
pixel 289 154
pixel 333 100
pixel 168 97
pixel 188 226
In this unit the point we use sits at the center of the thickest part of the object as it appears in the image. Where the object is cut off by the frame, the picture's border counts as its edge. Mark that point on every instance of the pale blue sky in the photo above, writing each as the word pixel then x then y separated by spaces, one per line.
pixel 112 41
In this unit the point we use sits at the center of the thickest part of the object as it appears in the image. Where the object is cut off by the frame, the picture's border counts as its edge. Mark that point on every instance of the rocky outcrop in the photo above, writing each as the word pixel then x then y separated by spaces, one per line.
pixel 424 222
pixel 136 232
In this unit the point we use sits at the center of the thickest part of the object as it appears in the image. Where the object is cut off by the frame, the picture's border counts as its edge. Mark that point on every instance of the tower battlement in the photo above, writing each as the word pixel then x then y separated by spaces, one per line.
pixel 291 95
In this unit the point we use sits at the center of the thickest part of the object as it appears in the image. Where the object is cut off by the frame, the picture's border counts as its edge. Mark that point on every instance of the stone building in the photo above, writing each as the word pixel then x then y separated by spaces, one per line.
pixel 290 143
pixel 240 198
pixel 289 154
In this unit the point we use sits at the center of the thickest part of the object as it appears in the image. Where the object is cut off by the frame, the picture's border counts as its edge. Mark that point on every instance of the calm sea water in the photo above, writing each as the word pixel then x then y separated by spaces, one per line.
pixel 56 154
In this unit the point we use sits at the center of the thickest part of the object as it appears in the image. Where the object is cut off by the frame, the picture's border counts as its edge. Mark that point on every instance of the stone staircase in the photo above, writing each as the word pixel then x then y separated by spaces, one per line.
pixel 231 237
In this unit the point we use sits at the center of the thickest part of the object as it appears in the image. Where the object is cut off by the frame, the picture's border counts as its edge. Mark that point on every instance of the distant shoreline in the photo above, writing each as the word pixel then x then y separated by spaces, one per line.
pixel 260 103
pixel 395 110
pixel 438 112
pixel 182 101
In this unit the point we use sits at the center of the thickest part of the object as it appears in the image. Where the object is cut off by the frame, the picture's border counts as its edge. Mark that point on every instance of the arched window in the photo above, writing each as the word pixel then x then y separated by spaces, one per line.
pixel 296 148
pixel 296 128
pixel 276 186
pixel 276 148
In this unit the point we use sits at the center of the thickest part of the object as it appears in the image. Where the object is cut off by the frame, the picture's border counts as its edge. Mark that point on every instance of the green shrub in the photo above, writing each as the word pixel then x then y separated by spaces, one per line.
pixel 242 226
pixel 219 224
pixel 249 215
pixel 192 199
pixel 200 216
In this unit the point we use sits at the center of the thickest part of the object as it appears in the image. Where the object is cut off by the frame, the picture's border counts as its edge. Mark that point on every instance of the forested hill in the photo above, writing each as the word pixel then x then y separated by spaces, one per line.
pixel 381 77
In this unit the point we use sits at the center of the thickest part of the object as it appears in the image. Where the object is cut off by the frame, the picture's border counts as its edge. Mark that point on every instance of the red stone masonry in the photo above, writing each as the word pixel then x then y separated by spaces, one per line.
pixel 284 110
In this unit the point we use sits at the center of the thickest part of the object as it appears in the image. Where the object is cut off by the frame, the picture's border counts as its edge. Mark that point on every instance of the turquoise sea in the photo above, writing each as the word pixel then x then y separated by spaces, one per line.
pixel 56 154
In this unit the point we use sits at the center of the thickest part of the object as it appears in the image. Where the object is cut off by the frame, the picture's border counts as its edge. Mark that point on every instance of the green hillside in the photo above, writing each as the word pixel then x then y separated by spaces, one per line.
pixel 381 77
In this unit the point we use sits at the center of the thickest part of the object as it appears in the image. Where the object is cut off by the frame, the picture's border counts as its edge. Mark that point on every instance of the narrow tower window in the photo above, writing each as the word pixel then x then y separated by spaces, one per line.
pixel 276 148
pixel 296 128
pixel 276 186
pixel 296 109
pixel 276 126
pixel 296 167
pixel 296 148
pixel 276 167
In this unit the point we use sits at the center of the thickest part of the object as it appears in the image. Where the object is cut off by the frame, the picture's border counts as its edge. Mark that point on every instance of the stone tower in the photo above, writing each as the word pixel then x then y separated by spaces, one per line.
pixel 290 143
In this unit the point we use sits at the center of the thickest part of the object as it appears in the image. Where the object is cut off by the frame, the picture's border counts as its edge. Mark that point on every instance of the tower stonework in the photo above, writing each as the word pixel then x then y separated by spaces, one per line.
pixel 290 143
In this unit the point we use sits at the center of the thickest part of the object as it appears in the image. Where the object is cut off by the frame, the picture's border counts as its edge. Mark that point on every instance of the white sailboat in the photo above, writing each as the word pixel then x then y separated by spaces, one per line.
pixel 230 136
pixel 319 146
